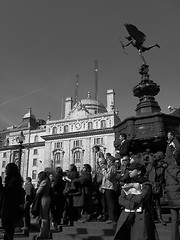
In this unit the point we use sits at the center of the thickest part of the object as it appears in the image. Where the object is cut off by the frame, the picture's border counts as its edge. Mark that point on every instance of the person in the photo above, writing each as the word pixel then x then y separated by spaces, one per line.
pixel 69 214
pixel 43 191
pixel 155 174
pixel 58 197
pixel 98 156
pixel 124 146
pixel 172 148
pixel 29 198
pixel 86 183
pixel 108 188
pixel 172 187
pixel 136 221
pixel 12 200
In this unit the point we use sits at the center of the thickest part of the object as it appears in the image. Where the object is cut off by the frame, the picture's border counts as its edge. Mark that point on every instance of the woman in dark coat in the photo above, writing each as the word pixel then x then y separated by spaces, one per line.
pixel 68 208
pixel 13 199
pixel 86 181
pixel 58 197
pixel 135 221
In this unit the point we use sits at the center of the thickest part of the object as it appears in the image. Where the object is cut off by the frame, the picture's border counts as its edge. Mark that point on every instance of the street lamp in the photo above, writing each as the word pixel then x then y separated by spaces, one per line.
pixel 20 140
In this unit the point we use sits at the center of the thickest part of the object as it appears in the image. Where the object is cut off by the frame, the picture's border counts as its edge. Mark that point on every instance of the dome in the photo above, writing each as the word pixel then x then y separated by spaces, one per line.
pixel 29 114
pixel 92 105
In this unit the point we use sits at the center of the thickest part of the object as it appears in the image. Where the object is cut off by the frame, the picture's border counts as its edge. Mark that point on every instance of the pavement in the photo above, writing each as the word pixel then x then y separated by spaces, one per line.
pixel 164 232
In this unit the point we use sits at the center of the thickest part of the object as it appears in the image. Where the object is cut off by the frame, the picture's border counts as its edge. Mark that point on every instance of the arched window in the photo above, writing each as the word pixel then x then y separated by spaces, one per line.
pixel 34 174
pixel 66 128
pixel 90 125
pixel 54 130
pixel 36 138
pixel 103 124
pixel 78 159
pixel 58 157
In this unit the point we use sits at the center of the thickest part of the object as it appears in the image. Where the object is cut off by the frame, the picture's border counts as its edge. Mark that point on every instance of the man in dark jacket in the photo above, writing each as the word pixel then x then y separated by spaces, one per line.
pixel 173 148
pixel 172 179
pixel 124 146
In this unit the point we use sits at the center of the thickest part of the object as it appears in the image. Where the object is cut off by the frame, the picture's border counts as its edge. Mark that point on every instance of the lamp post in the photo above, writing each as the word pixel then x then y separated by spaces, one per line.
pixel 20 140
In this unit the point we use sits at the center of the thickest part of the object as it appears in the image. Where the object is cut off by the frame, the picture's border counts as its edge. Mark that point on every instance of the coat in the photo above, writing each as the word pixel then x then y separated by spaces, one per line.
pixel 173 151
pixel 124 148
pixel 136 225
pixel 172 179
pixel 12 200
pixel 44 191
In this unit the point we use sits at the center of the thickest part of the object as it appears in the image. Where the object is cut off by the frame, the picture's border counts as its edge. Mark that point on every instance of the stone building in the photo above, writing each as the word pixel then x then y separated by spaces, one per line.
pixel 47 144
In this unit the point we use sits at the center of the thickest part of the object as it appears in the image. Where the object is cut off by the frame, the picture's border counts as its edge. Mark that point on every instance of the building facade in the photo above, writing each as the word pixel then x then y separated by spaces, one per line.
pixel 52 143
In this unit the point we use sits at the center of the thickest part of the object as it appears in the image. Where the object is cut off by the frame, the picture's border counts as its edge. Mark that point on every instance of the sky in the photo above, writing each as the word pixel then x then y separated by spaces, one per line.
pixel 44 44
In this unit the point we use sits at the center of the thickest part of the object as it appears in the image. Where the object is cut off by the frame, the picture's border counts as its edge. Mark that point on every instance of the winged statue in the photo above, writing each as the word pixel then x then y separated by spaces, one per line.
pixel 136 38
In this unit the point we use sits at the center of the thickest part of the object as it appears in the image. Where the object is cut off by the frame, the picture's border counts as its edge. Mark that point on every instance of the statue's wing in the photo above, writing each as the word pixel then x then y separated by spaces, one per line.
pixel 133 31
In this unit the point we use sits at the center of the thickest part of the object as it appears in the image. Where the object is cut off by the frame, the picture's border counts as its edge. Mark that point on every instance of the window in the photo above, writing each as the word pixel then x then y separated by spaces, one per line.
pixel 57 145
pixel 66 128
pixel 77 143
pixel 35 152
pixel 4 155
pixel 58 157
pixel 77 159
pixel 36 138
pixel 98 141
pixel 103 124
pixel 54 130
pixel 34 174
pixel 90 125
pixel 3 164
pixel 34 161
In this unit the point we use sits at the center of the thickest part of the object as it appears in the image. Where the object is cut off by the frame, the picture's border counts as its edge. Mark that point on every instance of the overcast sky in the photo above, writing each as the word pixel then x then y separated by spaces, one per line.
pixel 44 44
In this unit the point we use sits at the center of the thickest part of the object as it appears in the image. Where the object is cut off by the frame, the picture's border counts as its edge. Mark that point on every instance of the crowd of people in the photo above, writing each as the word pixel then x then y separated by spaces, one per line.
pixel 125 189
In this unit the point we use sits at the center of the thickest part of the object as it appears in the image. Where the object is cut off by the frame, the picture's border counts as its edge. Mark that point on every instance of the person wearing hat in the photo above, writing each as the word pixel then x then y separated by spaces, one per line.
pixel 136 220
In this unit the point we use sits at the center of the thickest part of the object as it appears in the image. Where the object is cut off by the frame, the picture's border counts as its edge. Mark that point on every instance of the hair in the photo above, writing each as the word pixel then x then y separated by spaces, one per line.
pixel 111 159
pixel 123 135
pixel 87 167
pixel 108 154
pixel 172 133
pixel 12 171
pixel 42 176
pixel 73 167
pixel 28 179
pixel 59 170
pixel 97 147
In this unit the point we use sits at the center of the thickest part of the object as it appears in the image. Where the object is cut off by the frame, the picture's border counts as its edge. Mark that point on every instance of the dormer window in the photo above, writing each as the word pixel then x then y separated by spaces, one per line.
pixel 90 125
pixel 65 128
pixel 54 130
pixel 103 124
pixel 36 138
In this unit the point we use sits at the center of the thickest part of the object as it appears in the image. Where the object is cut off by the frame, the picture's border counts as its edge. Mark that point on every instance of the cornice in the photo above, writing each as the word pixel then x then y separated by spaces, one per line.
pixel 78 134
pixel 26 145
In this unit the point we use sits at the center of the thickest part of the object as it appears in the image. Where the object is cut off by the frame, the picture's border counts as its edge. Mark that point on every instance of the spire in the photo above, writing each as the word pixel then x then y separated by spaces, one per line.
pixel 89 95
pixel 49 116
pixel 96 78
pixel 76 89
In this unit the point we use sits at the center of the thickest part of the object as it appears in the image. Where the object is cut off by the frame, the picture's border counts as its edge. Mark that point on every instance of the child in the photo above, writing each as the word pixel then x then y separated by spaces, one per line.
pixel 135 221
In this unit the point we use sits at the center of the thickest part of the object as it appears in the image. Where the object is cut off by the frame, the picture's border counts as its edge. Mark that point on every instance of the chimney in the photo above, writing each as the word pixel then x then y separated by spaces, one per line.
pixel 68 106
pixel 110 100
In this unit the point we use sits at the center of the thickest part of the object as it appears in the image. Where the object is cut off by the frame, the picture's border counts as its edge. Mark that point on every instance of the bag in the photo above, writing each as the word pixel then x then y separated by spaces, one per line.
pixel 35 210
pixel 156 188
